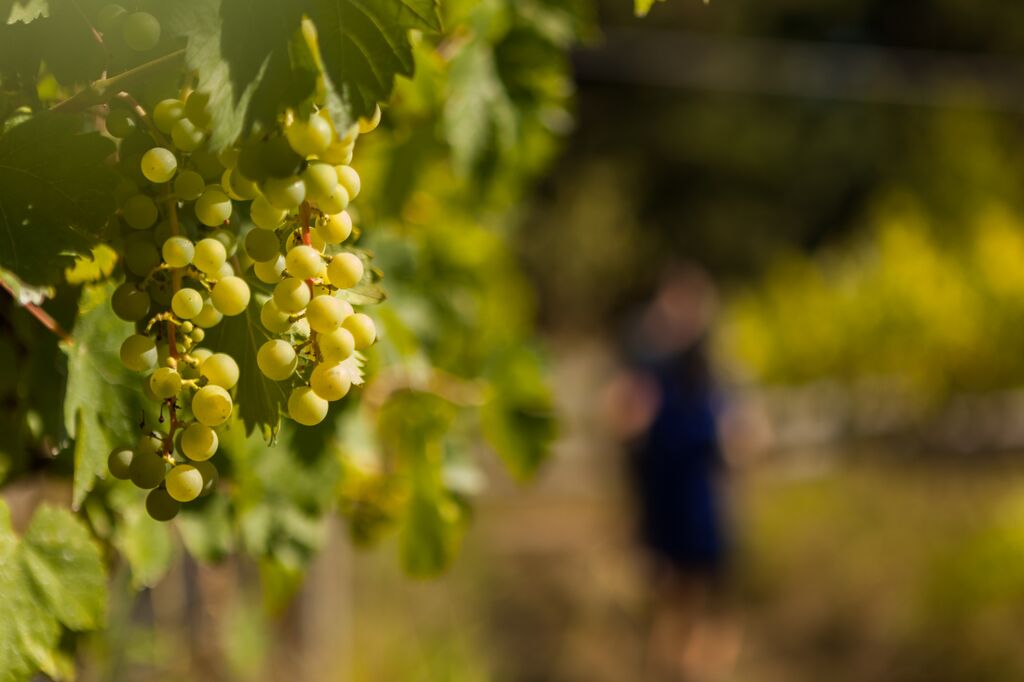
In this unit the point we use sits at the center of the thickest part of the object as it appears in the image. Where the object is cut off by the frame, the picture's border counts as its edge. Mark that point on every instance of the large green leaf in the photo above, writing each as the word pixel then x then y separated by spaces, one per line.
pixel 56 193
pixel 103 404
pixel 13 11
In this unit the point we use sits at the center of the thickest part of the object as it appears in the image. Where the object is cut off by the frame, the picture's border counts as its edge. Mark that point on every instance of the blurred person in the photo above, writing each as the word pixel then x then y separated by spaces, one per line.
pixel 662 407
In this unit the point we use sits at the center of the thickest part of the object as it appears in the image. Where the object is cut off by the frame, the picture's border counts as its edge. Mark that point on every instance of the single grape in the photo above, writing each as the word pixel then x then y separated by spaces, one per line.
pixel 119 463
pixel 187 303
pixel 129 302
pixel 141 31
pixel 139 212
pixel 364 332
pixel 228 239
pixel 210 255
pixel 184 483
pixel 159 165
pixel 368 125
pixel 178 252
pixel 110 18
pixel 208 317
pixel 264 215
pixel 196 108
pixel 220 369
pixel 189 185
pixel 330 381
pixel 198 442
pixel 238 185
pixel 160 291
pixel 335 202
pixel 120 122
pixel 276 359
pixel 166 113
pixel 303 262
pixel 138 353
pixel 335 228
pixel 349 179
pixel 339 153
pixel 337 346
pixel 149 444
pixel 210 477
pixel 284 193
pixel 273 318
pixel 161 506
pixel 206 163
pixel 212 405
pixel 230 295
pixel 147 470
pixel 345 270
pixel 291 295
pixel 228 157
pixel 161 233
pixel 309 137
pixel 200 354
pixel 213 207
pixel 306 407
pixel 186 136
pixel 198 335
pixel 321 179
pixel 140 256
pixel 325 313
pixel 165 383
pixel 269 271
pixel 261 245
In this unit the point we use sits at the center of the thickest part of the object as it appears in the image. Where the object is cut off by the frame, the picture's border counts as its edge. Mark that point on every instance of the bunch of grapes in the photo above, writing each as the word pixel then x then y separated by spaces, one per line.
pixel 179 233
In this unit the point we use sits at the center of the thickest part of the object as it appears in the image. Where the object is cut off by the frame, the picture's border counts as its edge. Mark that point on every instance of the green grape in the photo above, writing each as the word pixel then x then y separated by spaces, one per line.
pixel 284 193
pixel 207 164
pixel 230 295
pixel 141 31
pixel 138 353
pixel 147 470
pixel 210 255
pixel 345 270
pixel 149 444
pixel 213 207
pixel 250 162
pixel 210 477
pixel 309 137
pixel 238 185
pixel 198 335
pixel 161 233
pixel 119 463
pixel 200 354
pixel 325 313
pixel 123 190
pixel 189 185
pixel 337 346
pixel 306 407
pixel 303 262
pixel 159 165
pixel 186 136
pixel 349 179
pixel 339 153
pixel 273 318
pixel 276 359
pixel 196 108
pixel 225 270
pixel 184 483
pixel 321 180
pixel 187 303
pixel 160 291
pixel 262 245
pixel 318 244
pixel 228 157
pixel 220 369
pixel 228 239
pixel 264 215
pixel 139 212
pixel 166 113
pixel 110 17
pixel 161 506
pixel 208 317
pixel 178 252
pixel 335 202
pixel 212 405
pixel 165 383
pixel 269 271
pixel 140 256
pixel 330 381
pixel 364 332
pixel 198 442
pixel 368 125
pixel 335 228
pixel 291 295
pixel 129 302
pixel 120 122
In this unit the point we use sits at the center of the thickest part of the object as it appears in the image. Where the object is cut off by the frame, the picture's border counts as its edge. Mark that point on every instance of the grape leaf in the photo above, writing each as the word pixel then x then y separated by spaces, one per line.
pixel 24 11
pixel 56 193
pixel 642 7
pixel 103 403
pixel 364 45
pixel 145 544
pixel 262 400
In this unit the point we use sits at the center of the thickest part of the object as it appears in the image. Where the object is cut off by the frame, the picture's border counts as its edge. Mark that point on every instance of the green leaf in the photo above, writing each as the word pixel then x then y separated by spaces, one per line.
pixel 145 544
pixel 23 11
pixel 56 193
pixel 103 404
pixel 364 45
pixel 642 7
pixel 262 400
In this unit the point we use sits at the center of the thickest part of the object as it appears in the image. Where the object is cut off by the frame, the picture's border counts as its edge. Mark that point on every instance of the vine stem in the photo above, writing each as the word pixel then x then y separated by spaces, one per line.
pixel 100 90
pixel 172 341
pixel 41 315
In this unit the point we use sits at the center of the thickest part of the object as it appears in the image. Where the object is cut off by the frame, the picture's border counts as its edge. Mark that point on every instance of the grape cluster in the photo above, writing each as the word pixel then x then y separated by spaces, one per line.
pixel 179 231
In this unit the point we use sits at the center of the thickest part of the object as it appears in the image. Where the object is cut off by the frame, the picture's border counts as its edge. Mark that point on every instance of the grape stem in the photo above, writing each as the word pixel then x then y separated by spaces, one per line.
pixel 100 90
pixel 157 136
pixel 41 315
